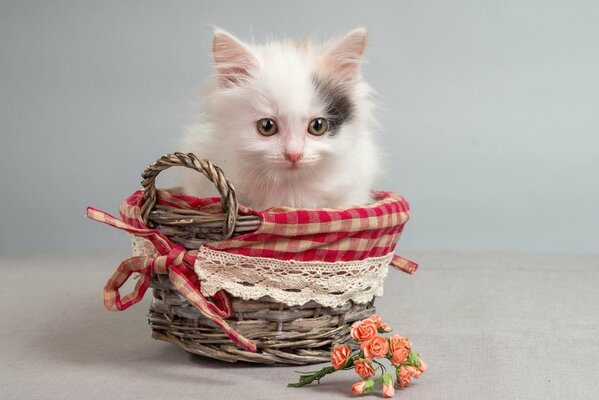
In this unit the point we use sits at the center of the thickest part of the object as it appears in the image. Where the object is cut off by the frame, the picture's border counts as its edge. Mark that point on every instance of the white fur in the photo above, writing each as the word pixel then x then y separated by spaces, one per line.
pixel 274 80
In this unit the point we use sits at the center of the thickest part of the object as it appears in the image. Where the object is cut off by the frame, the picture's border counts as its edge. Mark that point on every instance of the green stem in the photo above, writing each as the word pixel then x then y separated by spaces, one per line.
pixel 317 376
pixel 381 365
pixel 308 378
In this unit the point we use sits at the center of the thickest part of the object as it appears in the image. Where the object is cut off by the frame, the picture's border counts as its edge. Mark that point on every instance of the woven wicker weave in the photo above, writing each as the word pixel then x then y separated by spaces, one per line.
pixel 287 335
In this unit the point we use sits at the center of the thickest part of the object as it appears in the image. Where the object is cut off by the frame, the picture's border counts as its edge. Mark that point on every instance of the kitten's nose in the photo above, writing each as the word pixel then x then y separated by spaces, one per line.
pixel 293 157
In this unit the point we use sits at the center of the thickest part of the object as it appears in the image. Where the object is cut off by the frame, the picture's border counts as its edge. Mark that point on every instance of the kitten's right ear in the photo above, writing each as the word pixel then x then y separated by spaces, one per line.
pixel 345 55
pixel 234 60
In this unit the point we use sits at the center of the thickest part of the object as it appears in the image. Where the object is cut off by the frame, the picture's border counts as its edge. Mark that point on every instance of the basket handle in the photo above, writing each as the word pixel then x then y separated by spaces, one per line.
pixel 228 198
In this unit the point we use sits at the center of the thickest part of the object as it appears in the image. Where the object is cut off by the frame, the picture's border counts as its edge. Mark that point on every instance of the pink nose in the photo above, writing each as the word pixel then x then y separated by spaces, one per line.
pixel 293 157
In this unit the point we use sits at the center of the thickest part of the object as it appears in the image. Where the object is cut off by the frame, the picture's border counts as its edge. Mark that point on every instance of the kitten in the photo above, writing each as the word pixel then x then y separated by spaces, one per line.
pixel 289 122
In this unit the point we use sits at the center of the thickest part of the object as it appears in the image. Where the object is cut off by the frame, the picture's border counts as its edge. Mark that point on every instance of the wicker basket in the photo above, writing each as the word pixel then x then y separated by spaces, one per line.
pixel 287 335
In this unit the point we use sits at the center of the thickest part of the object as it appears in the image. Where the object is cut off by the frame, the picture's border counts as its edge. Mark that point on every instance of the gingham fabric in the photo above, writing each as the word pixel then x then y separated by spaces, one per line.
pixel 326 235
pixel 173 260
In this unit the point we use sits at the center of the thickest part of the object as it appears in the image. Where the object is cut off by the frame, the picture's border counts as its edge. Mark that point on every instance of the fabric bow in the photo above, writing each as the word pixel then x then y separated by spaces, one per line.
pixel 173 260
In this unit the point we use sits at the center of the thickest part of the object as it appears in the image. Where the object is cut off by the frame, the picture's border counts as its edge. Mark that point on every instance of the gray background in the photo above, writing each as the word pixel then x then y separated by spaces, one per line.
pixel 490 111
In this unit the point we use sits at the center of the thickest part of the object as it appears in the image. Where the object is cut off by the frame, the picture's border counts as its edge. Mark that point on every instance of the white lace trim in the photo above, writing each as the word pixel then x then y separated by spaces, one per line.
pixel 292 282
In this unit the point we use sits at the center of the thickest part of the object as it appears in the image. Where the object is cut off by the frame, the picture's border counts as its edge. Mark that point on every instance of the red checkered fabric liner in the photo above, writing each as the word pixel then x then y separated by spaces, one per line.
pixel 327 235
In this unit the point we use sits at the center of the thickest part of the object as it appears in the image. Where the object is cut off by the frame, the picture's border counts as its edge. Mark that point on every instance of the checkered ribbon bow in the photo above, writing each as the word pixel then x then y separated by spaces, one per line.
pixel 173 260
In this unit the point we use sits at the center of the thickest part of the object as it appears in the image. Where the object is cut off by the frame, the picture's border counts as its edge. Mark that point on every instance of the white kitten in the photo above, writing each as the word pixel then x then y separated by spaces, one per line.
pixel 290 123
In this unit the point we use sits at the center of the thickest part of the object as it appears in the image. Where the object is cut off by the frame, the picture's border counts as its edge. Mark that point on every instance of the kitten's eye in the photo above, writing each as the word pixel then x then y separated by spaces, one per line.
pixel 318 126
pixel 267 127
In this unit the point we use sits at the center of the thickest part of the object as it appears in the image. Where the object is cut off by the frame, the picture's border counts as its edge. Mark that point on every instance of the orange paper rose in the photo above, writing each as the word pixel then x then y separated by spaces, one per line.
pixel 398 349
pixel 376 319
pixel 414 372
pixel 385 327
pixel 380 325
pixel 363 330
pixel 401 341
pixel 364 386
pixel 388 390
pixel 363 368
pixel 358 387
pixel 376 347
pixel 403 376
pixel 399 355
pixel 339 356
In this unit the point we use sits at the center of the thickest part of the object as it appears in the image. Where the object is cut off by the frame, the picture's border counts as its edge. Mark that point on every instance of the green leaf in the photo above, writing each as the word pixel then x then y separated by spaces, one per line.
pixel 414 359
pixel 387 379
pixel 369 386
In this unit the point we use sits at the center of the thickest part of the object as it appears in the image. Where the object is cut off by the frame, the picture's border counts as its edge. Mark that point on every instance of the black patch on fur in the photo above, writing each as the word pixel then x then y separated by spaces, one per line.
pixel 339 106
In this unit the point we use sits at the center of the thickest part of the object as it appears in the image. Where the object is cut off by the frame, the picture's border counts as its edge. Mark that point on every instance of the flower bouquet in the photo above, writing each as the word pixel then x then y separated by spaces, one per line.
pixel 365 359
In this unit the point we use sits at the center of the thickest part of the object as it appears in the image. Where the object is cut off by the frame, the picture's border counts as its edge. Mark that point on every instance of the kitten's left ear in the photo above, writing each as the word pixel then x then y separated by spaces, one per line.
pixel 345 55
pixel 234 60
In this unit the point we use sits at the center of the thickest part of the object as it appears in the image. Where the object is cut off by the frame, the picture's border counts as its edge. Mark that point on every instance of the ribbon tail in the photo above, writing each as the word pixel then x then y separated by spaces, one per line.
pixel 104 217
pixel 222 304
pixel 403 264
pixel 112 298
pixel 195 297
pixel 157 238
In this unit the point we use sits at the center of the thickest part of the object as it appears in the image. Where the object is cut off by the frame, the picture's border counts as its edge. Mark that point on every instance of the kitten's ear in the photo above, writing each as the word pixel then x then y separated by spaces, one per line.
pixel 234 60
pixel 345 55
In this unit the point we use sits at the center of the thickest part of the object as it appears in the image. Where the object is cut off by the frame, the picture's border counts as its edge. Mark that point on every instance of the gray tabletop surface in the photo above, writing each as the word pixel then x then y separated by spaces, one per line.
pixel 490 326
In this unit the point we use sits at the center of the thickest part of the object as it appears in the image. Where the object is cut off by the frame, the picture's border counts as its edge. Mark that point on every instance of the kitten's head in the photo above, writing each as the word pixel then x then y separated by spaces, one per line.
pixel 288 108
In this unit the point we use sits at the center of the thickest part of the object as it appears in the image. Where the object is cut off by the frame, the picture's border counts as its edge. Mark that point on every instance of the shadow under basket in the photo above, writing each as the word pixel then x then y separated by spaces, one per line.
pixel 283 334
